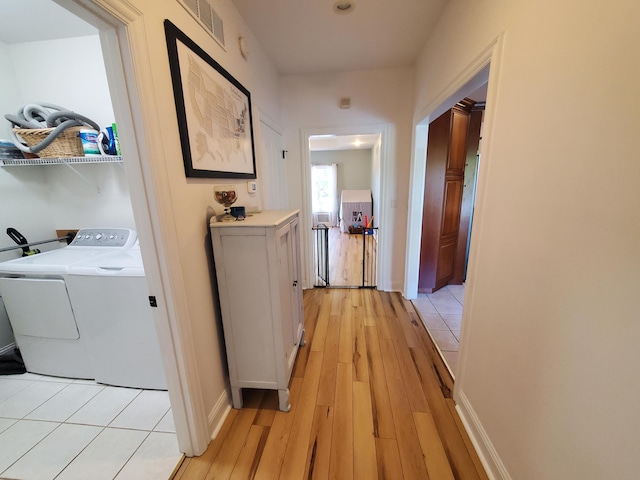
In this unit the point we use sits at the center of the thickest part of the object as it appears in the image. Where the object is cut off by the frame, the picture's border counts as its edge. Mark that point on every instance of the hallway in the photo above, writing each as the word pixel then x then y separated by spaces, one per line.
pixel 441 312
pixel 345 259
pixel 368 401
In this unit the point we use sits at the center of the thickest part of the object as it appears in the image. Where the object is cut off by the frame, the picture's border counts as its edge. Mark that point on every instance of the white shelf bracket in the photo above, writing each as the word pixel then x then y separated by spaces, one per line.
pixel 81 176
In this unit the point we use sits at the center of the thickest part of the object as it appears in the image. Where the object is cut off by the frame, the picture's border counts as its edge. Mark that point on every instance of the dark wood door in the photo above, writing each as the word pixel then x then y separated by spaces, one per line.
pixel 444 182
pixel 468 195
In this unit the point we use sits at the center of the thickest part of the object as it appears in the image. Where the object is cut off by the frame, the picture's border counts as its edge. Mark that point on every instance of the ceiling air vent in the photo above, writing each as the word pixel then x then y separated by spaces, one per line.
pixel 207 16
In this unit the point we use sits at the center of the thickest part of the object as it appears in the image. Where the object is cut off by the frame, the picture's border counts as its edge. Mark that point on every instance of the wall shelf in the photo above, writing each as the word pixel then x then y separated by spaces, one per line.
pixel 68 161
pixel 27 162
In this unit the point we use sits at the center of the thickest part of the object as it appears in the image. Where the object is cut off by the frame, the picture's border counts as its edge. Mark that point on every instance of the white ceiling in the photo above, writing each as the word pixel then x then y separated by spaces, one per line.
pixel 306 36
pixel 300 36
pixel 342 142
pixel 24 21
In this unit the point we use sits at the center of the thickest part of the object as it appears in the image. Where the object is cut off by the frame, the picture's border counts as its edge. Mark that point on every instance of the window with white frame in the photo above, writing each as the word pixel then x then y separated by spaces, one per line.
pixel 324 186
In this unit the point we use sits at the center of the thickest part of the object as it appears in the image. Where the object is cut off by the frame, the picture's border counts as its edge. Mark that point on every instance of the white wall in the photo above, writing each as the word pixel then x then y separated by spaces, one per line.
pixel 378 97
pixel 549 348
pixel 100 200
pixel 25 207
pixel 10 88
pixel 354 167
pixel 67 72
pixel 17 208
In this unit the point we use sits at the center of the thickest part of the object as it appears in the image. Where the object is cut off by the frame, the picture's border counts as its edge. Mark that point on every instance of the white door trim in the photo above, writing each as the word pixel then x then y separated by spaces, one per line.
pixel 472 77
pixel 383 279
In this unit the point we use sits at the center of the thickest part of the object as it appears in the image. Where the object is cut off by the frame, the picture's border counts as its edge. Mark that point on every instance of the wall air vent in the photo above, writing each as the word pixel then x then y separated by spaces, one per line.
pixel 207 17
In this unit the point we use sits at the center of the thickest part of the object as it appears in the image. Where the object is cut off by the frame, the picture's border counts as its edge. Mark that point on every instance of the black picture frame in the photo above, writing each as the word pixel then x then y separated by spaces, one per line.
pixel 215 124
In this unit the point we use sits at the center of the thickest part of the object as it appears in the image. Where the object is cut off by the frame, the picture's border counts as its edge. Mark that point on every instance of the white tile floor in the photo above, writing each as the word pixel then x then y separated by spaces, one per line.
pixel 55 428
pixel 441 312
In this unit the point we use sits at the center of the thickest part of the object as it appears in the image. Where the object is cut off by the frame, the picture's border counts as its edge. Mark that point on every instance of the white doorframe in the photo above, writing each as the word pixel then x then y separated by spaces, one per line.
pixel 475 75
pixel 123 38
pixel 383 279
pixel 263 118
pixel 464 84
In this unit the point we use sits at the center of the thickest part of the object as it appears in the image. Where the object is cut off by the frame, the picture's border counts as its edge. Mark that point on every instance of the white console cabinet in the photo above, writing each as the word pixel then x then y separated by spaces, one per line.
pixel 257 263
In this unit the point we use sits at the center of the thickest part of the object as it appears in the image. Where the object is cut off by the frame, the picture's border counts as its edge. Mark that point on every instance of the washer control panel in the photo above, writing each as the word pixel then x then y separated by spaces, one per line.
pixel 104 237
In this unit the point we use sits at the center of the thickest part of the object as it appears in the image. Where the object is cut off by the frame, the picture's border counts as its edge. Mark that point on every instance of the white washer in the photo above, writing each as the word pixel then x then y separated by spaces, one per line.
pixel 41 314
pixel 110 297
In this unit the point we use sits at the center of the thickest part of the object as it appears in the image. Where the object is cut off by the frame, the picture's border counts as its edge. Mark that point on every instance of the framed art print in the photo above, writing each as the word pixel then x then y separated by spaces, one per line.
pixel 214 112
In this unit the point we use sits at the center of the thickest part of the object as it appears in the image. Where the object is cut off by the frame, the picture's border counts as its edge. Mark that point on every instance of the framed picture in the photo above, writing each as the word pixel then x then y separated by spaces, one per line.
pixel 214 112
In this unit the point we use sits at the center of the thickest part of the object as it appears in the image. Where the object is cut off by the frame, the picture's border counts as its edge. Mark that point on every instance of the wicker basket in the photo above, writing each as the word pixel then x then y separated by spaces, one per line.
pixel 67 144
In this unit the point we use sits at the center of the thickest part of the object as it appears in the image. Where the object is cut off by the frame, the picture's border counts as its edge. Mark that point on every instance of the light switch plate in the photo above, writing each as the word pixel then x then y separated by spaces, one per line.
pixel 252 187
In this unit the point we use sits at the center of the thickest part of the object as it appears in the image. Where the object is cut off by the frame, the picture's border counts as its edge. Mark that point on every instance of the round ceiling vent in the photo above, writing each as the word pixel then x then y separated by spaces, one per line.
pixel 342 7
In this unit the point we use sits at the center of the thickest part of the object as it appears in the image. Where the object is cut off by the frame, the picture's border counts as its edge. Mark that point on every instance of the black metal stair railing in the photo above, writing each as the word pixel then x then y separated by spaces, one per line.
pixel 369 256
pixel 321 255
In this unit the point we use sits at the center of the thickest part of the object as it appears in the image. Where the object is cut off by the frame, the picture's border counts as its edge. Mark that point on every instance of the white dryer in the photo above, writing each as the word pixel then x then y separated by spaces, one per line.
pixel 40 311
pixel 111 300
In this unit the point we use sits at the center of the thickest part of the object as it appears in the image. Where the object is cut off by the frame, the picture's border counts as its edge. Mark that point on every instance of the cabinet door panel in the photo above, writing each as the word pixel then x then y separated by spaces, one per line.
pixel 296 291
pixel 285 269
pixel 247 326
pixel 452 203
pixel 446 257
pixel 458 143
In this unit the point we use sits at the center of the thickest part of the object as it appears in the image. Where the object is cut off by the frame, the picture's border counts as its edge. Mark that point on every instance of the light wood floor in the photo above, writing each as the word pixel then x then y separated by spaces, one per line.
pixel 345 259
pixel 369 401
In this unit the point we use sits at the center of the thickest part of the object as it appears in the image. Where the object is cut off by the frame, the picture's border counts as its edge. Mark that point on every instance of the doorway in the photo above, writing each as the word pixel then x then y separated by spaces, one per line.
pixel 345 192
pixel 273 167
pixel 449 192
pixel 440 299
pixel 107 180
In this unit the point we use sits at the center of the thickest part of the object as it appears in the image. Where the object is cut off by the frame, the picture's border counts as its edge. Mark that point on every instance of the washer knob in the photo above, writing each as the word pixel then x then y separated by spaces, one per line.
pixel 99 236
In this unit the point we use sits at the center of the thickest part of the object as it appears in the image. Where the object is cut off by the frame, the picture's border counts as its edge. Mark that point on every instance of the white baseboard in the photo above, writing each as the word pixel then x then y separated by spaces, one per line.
pixel 7 349
pixel 219 413
pixel 488 455
pixel 389 287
